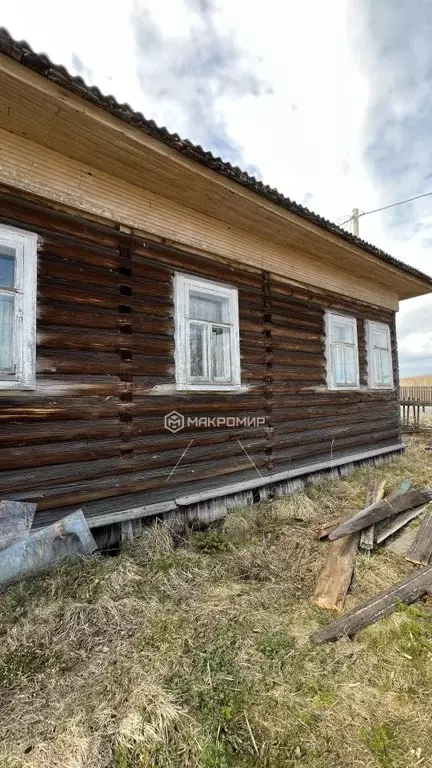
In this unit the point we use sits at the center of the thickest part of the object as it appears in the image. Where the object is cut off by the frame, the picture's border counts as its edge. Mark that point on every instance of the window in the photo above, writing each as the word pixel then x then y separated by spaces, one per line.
pixel 17 309
pixel 207 335
pixel 380 367
pixel 342 352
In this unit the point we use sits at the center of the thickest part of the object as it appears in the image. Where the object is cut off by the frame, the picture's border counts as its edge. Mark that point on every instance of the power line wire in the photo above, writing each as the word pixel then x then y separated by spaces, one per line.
pixel 385 207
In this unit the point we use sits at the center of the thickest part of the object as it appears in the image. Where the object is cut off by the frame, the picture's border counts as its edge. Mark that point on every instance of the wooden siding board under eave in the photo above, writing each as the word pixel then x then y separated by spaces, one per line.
pixel 34 169
pixel 54 117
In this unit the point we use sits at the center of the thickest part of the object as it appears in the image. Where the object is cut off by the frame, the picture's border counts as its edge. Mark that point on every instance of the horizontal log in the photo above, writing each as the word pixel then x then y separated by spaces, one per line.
pixel 406 591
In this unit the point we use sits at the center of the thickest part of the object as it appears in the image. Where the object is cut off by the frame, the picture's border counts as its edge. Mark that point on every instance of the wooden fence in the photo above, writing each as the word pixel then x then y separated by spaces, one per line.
pixel 418 392
pixel 413 400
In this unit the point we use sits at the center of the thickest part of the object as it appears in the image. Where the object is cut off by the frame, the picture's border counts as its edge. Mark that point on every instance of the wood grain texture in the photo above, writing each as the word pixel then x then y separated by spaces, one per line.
pixel 421 549
pixel 397 522
pixel 375 492
pixel 32 168
pixel 381 510
pixel 400 545
pixel 406 591
pixel 92 433
pixel 335 579
pixel 61 121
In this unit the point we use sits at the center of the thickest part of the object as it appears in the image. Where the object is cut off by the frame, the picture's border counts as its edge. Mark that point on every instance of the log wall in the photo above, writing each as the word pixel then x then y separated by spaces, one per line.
pixel 92 434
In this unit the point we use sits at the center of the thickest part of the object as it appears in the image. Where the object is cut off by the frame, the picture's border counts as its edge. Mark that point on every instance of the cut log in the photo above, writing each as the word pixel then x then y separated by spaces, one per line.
pixel 398 522
pixel 16 519
pixel 401 545
pixel 374 493
pixel 421 549
pixel 407 591
pixel 382 509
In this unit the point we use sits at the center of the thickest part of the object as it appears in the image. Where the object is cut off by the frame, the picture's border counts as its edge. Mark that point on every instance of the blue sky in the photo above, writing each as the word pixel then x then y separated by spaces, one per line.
pixel 328 102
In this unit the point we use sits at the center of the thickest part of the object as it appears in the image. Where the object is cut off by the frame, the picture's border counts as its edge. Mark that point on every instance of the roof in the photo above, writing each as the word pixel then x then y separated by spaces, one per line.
pixel 40 63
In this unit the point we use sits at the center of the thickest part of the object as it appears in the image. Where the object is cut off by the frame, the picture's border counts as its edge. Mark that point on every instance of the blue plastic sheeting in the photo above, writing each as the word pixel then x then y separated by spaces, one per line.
pixel 69 536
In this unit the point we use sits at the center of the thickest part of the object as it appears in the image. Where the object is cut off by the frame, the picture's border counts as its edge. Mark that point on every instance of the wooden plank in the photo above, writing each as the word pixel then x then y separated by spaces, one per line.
pixel 286 475
pixel 335 579
pixel 375 492
pixel 406 591
pixel 400 545
pixel 133 513
pixel 381 510
pixel 43 172
pixel 404 486
pixel 398 522
pixel 421 549
pixel 16 519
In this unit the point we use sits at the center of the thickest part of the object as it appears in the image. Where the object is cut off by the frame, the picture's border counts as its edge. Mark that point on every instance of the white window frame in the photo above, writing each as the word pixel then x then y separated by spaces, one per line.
pixel 331 383
pixel 372 325
pixel 24 291
pixel 182 285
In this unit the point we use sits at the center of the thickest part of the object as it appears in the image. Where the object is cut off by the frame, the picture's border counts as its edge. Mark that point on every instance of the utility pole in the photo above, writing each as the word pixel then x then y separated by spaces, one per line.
pixel 355 218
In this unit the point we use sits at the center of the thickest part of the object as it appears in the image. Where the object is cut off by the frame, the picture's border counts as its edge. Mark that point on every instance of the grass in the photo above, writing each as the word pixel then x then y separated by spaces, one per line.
pixel 197 655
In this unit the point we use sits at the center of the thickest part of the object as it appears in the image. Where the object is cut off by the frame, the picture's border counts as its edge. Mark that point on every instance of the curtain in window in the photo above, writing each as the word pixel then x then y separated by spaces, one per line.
pixel 6 332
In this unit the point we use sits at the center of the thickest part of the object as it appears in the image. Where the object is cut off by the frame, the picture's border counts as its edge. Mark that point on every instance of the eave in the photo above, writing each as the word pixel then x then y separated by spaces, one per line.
pixel 36 108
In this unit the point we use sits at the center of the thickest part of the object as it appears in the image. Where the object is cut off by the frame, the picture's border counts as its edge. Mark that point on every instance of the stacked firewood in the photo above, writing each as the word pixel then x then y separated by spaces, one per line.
pixel 375 525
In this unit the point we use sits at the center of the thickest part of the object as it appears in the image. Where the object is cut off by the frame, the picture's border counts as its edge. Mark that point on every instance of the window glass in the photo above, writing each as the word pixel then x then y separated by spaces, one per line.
pixel 342 352
pixel 343 332
pixel 207 353
pixel 221 363
pixel 205 307
pixel 7 266
pixel 6 332
pixel 197 334
pixel 380 365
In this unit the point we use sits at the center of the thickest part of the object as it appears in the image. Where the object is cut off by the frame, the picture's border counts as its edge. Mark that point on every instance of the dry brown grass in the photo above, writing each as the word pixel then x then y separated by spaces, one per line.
pixel 198 656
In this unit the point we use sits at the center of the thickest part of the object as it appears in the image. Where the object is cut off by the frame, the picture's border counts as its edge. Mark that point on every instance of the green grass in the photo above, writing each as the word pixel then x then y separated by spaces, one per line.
pixel 198 655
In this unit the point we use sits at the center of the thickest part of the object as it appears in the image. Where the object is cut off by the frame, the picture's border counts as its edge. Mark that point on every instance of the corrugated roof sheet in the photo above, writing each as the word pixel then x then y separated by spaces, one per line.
pixel 39 62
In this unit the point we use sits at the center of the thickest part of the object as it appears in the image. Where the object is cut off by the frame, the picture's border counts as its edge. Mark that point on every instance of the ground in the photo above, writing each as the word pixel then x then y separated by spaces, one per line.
pixel 192 650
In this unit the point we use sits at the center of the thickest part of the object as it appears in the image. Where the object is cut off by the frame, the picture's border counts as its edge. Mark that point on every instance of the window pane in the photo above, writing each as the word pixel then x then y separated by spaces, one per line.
pixel 343 332
pixel 221 363
pixel 7 266
pixel 338 364
pixel 203 306
pixel 350 366
pixel 6 332
pixel 380 339
pixel 386 367
pixel 197 335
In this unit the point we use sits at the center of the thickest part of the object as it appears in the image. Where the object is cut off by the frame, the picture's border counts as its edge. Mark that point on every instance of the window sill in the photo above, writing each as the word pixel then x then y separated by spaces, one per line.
pixel 355 388
pixel 210 388
pixel 16 386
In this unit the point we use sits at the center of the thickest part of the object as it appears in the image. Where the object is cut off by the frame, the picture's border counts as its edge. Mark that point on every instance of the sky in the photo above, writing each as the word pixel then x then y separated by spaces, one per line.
pixel 329 102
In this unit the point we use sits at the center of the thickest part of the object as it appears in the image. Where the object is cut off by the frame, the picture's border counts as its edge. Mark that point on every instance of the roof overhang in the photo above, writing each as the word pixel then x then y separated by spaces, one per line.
pixel 34 107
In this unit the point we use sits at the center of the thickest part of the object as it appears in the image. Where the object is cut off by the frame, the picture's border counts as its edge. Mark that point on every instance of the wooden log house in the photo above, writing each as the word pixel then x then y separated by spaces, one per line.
pixel 173 333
